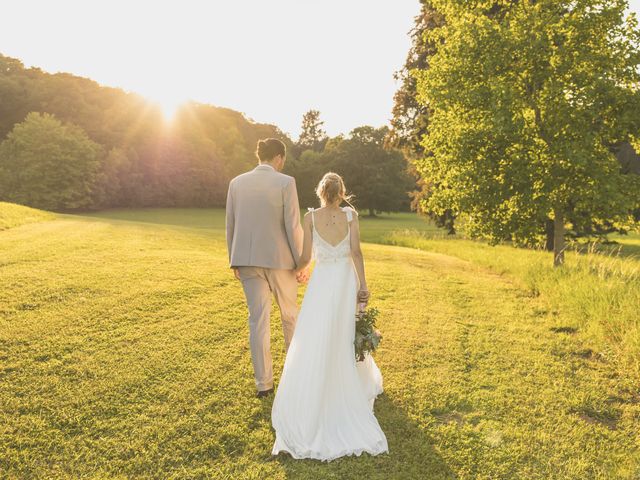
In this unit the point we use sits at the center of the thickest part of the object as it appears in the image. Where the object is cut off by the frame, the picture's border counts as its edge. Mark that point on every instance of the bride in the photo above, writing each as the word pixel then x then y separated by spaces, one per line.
pixel 323 407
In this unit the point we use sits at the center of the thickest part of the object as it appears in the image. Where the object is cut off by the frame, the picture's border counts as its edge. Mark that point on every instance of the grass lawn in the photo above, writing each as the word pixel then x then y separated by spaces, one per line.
pixel 630 243
pixel 124 354
pixel 372 229
pixel 12 215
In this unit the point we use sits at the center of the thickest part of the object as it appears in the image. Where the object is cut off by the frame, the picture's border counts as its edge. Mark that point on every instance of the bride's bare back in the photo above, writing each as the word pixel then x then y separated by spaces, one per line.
pixel 331 224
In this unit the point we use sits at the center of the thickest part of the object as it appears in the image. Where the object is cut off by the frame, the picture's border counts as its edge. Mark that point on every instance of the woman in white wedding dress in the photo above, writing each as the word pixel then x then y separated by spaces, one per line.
pixel 323 407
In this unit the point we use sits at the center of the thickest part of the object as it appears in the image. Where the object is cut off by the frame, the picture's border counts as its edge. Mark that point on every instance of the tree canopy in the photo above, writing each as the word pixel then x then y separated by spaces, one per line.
pixel 312 136
pixel 526 106
pixel 46 164
pixel 117 149
pixel 144 160
pixel 376 175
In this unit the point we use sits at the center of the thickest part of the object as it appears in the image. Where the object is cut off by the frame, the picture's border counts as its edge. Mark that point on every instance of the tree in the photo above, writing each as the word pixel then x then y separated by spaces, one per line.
pixel 411 117
pixel 525 107
pixel 313 136
pixel 308 169
pixel 113 178
pixel 410 120
pixel 50 165
pixel 375 175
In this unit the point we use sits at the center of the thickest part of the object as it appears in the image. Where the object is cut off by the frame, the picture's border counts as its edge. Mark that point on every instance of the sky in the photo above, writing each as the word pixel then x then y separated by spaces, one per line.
pixel 272 60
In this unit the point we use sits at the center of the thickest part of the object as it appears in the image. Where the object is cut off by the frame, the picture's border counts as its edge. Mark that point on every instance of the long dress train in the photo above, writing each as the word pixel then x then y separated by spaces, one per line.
pixel 323 407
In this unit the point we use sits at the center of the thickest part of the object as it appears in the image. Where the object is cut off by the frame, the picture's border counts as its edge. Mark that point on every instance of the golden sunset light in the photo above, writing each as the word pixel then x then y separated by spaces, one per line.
pixel 272 61
pixel 170 104
pixel 309 239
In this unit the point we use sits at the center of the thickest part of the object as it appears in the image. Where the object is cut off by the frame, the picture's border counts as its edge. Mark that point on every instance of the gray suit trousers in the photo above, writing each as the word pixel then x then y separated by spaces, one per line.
pixel 258 283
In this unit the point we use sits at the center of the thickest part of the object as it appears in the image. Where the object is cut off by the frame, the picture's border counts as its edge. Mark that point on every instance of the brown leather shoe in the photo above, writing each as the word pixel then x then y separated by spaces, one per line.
pixel 264 393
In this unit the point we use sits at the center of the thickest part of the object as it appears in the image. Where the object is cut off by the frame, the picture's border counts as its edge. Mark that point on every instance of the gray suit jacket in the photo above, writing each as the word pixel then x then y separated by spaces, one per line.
pixel 263 220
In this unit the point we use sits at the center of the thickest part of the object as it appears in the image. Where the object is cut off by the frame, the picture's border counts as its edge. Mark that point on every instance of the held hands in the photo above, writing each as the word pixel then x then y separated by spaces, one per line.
pixel 302 275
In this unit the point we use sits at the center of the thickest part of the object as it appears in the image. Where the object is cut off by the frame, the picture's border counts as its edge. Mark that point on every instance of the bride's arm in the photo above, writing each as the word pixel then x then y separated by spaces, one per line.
pixel 305 257
pixel 358 259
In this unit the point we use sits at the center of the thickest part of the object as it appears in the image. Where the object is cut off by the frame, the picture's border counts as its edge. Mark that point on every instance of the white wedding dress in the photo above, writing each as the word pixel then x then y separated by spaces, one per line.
pixel 323 407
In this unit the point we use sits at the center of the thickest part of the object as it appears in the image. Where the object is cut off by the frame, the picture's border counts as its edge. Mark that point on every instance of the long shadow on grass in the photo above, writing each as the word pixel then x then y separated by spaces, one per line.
pixel 411 454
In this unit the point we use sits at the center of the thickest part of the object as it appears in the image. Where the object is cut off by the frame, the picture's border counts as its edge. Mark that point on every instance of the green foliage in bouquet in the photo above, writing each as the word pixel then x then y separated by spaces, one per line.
pixel 367 336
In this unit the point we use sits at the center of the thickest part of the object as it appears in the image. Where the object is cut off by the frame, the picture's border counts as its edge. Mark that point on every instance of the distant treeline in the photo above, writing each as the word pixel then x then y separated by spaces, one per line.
pixel 121 151
pixel 68 143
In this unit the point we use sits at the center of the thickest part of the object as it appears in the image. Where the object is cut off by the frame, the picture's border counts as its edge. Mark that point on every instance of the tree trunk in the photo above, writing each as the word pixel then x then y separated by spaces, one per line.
pixel 372 212
pixel 558 238
pixel 549 228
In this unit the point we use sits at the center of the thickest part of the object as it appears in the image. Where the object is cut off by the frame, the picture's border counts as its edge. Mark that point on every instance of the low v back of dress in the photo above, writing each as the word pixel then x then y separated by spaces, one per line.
pixel 323 407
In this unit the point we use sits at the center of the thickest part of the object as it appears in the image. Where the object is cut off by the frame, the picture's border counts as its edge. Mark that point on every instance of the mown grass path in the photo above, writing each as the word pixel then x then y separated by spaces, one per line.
pixel 124 354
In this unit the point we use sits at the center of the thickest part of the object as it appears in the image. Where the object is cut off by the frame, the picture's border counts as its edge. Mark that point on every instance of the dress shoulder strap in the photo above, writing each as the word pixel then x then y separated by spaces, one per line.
pixel 349 211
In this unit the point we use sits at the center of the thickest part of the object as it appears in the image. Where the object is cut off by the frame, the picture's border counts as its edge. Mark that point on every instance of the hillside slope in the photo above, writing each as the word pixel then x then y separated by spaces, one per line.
pixel 12 215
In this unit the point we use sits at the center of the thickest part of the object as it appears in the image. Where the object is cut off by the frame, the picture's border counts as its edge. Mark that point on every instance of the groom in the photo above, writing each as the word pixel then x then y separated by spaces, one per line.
pixel 264 239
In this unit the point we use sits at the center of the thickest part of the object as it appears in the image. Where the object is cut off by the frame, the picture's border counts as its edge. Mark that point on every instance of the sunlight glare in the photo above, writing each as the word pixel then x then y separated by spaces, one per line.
pixel 170 105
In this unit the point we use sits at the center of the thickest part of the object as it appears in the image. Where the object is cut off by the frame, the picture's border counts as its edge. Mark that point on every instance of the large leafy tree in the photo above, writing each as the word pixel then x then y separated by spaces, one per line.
pixel 525 107
pixel 375 174
pixel 410 115
pixel 47 164
pixel 410 119
pixel 308 169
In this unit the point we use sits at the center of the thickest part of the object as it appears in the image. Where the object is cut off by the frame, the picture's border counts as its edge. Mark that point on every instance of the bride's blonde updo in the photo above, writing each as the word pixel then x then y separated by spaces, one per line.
pixel 331 190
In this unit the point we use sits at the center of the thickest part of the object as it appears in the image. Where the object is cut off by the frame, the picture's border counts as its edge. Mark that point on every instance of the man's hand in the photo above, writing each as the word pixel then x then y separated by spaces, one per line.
pixel 236 272
pixel 363 296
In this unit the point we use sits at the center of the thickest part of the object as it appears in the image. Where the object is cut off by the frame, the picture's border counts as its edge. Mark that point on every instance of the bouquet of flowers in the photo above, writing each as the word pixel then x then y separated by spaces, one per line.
pixel 367 336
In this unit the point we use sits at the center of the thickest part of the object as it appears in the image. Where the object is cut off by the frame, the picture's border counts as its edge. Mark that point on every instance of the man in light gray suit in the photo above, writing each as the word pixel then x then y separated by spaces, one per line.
pixel 264 239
